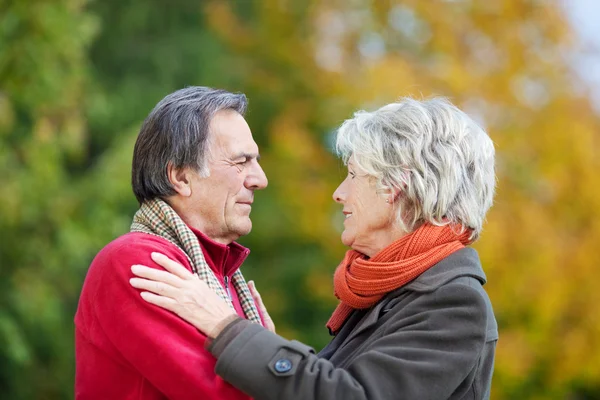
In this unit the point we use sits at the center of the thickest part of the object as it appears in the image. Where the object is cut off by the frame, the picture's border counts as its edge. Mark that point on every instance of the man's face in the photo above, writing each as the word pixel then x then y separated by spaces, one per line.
pixel 222 202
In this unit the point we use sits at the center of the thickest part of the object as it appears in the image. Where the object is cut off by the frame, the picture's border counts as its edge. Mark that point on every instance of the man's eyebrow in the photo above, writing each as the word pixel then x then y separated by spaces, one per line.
pixel 247 156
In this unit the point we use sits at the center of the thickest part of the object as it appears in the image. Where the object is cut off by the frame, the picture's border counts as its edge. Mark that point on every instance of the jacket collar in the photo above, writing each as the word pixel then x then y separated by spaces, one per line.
pixel 223 259
pixel 464 262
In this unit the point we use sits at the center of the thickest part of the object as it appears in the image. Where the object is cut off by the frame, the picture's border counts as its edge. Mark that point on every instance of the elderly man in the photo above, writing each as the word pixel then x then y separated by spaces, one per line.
pixel 195 170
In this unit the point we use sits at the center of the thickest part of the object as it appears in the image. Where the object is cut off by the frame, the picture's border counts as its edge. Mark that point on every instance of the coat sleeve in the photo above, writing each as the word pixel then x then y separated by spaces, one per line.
pixel 424 355
pixel 167 351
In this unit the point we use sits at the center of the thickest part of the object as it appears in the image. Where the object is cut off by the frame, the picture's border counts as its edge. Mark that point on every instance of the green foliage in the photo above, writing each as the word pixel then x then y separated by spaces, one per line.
pixel 77 79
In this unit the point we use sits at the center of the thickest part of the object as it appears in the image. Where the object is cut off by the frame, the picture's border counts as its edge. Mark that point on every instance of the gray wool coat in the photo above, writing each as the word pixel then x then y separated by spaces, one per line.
pixel 434 338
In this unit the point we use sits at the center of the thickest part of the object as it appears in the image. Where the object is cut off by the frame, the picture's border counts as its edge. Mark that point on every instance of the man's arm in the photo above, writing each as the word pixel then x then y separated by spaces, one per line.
pixel 166 350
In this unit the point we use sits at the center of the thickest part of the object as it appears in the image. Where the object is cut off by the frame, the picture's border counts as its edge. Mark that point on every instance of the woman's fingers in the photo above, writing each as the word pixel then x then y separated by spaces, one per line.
pixel 172 266
pixel 161 301
pixel 269 324
pixel 183 293
pixel 256 295
pixel 159 288
pixel 157 275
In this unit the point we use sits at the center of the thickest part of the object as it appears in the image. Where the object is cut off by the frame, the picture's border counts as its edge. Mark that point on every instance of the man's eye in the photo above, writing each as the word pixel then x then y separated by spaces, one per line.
pixel 351 174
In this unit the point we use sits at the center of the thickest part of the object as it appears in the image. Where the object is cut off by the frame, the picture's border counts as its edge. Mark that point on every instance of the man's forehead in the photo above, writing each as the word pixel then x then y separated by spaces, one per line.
pixel 236 150
pixel 230 132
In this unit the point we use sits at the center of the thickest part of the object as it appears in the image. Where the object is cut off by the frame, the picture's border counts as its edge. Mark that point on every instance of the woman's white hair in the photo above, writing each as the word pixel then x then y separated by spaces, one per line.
pixel 434 155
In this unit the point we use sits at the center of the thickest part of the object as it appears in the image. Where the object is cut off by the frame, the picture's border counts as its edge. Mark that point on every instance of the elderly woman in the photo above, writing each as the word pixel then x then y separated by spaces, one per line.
pixel 413 320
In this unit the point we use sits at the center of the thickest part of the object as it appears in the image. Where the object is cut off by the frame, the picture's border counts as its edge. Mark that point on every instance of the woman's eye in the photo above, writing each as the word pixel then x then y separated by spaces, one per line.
pixel 351 174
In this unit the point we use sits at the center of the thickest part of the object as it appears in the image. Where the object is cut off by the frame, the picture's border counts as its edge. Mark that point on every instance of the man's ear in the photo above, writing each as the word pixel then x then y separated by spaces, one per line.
pixel 180 180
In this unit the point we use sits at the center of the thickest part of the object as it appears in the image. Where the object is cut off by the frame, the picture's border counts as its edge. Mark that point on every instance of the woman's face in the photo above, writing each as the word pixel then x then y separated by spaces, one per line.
pixel 369 215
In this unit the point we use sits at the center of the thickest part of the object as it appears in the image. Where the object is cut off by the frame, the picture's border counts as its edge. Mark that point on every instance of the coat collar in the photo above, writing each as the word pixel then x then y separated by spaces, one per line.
pixel 464 262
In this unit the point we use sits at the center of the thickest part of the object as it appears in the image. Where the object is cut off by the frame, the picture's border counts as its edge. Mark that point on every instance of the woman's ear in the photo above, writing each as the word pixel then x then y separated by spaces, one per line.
pixel 394 193
pixel 397 192
pixel 391 193
pixel 180 180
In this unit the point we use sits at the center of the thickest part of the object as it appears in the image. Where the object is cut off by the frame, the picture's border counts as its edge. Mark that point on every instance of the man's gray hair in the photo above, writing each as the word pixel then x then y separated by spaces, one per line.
pixel 438 159
pixel 176 132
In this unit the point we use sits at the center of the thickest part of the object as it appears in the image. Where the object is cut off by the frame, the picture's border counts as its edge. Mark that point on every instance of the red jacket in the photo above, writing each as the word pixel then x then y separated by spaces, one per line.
pixel 129 349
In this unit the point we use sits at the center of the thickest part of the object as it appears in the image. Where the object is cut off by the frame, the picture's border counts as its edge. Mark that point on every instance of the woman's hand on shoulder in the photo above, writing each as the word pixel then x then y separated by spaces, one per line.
pixel 183 293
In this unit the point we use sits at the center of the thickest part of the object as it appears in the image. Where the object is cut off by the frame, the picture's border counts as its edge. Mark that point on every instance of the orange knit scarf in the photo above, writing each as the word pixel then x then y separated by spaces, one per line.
pixel 360 282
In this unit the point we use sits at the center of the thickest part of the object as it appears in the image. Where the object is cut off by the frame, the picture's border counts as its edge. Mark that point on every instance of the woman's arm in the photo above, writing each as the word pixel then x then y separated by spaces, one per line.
pixel 425 352
pixel 426 355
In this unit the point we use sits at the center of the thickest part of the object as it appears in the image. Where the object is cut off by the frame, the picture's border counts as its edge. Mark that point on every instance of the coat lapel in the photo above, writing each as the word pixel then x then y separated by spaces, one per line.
pixel 370 319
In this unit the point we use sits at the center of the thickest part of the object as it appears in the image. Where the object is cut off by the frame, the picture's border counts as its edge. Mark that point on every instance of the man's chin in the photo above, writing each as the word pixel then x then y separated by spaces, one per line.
pixel 243 228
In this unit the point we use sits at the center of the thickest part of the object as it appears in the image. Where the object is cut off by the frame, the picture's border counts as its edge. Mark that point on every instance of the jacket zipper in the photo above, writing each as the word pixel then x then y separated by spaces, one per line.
pixel 226 281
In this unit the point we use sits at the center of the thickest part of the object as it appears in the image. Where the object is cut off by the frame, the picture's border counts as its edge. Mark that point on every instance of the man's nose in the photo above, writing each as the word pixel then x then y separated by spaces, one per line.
pixel 256 179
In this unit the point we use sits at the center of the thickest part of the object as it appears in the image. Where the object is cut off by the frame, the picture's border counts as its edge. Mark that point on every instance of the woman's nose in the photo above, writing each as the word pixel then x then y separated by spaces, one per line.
pixel 339 195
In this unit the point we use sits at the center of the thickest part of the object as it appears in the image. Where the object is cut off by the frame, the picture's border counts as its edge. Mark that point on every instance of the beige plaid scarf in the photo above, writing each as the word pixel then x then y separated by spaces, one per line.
pixel 157 218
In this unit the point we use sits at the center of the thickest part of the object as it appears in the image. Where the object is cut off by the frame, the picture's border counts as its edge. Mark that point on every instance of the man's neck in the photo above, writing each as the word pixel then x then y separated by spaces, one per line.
pixel 196 222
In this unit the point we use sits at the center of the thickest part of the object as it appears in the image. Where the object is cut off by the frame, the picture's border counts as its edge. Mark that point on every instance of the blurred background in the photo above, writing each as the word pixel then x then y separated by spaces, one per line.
pixel 78 77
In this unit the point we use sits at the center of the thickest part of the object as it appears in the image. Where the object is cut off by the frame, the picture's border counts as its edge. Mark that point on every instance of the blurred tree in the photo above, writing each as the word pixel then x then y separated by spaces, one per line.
pixel 311 63
pixel 77 79
pixel 43 70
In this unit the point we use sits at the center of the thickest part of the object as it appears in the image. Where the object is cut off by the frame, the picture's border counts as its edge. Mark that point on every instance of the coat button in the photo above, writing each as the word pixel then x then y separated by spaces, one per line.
pixel 283 365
